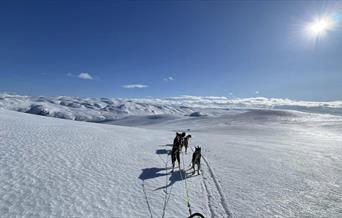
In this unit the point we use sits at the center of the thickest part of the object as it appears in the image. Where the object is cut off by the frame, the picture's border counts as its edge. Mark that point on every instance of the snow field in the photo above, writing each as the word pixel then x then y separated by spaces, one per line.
pixel 59 168
pixel 256 163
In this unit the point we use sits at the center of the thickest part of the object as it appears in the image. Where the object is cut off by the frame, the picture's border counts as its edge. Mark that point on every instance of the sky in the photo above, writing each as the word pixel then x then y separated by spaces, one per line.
pixel 138 49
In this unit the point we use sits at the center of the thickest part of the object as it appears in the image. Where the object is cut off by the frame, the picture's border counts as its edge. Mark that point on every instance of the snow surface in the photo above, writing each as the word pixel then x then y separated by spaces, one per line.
pixel 256 162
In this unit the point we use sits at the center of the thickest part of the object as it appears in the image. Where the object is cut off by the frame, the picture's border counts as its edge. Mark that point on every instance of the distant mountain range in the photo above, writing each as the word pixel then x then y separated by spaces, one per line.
pixel 107 109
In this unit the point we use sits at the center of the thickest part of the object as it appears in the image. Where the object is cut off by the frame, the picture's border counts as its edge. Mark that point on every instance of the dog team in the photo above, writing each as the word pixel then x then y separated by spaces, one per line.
pixel 182 140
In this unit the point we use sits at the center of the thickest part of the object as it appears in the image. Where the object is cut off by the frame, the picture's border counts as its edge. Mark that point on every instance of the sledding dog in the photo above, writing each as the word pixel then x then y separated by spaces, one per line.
pixel 196 159
pixel 176 149
pixel 178 139
pixel 185 142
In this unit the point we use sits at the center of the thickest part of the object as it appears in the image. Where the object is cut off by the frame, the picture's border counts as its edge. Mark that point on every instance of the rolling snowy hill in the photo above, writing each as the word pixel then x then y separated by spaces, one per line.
pixel 257 162
pixel 107 109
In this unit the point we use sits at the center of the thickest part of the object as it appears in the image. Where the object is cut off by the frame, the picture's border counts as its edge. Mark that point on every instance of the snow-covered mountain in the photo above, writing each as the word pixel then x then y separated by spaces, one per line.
pixel 107 109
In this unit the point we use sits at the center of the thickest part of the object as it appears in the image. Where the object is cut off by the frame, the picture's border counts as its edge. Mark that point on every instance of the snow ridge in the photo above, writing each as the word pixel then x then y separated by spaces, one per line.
pixel 109 109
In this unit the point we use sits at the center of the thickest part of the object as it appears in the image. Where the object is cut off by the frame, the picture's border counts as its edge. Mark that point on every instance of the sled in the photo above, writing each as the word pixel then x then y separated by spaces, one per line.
pixel 196 215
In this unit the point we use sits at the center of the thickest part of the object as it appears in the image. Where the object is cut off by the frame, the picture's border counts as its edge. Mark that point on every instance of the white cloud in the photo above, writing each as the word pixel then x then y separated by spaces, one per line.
pixel 134 86
pixel 170 78
pixel 85 76
pixel 257 92
pixel 69 74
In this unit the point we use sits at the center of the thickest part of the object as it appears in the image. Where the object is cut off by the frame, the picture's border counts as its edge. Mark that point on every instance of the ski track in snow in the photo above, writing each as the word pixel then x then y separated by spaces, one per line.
pixel 209 196
pixel 218 187
pixel 212 207
pixel 147 201
pixel 256 164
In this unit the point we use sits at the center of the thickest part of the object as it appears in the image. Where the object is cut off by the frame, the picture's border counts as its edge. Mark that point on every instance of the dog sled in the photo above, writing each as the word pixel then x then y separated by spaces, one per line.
pixel 180 141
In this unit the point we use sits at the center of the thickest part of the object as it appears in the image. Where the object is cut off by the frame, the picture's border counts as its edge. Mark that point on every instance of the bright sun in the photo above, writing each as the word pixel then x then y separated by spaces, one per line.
pixel 320 26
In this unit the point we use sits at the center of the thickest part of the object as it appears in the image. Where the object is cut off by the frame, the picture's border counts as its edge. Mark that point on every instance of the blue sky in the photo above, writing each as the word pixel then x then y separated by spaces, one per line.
pixel 160 49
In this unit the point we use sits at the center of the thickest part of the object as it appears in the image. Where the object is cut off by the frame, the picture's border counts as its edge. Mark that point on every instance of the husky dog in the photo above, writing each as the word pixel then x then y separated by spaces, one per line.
pixel 178 138
pixel 196 159
pixel 176 147
pixel 186 142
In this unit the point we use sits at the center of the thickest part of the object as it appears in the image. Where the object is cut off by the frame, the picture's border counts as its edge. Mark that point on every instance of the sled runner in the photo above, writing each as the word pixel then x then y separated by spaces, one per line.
pixel 196 215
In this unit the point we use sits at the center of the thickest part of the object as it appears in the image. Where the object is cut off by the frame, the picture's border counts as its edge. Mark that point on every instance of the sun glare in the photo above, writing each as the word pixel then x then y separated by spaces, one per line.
pixel 319 27
pixel 322 25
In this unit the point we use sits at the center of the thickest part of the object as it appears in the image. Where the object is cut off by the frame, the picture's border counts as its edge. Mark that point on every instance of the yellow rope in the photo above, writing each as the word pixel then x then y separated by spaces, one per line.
pixel 185 187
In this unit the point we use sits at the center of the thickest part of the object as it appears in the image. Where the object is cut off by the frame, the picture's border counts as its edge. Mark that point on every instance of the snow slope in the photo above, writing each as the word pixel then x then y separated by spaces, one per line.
pixel 257 163
pixel 54 167
pixel 271 162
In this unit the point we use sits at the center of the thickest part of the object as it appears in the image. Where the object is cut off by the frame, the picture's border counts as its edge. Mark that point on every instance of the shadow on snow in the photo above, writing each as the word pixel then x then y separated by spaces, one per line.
pixel 163 151
pixel 167 145
pixel 151 173
pixel 155 172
